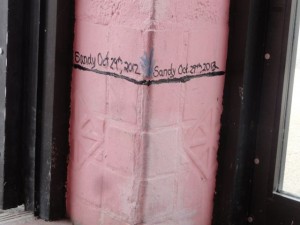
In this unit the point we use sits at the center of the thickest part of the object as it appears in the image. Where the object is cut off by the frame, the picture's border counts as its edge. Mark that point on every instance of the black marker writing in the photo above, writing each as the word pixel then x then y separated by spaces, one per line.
pixel 170 72
pixel 85 60
pixel 118 65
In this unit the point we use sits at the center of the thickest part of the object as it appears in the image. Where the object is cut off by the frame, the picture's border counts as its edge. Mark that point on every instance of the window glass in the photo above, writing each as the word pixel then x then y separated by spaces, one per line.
pixel 291 178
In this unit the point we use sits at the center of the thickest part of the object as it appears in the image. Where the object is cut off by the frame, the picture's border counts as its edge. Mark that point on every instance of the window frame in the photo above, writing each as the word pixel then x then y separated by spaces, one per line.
pixel 35 81
pixel 269 206
pixel 11 26
pixel 247 31
pixel 251 134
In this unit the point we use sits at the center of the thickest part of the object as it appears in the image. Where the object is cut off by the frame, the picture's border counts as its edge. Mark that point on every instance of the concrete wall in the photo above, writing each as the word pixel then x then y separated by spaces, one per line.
pixel 146 103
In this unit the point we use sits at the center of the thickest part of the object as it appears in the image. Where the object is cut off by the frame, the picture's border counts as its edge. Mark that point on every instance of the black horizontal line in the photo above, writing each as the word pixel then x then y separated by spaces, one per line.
pixel 183 79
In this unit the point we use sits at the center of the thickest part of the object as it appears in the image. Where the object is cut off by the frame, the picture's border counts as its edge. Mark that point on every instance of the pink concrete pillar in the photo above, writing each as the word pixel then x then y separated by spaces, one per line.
pixel 146 103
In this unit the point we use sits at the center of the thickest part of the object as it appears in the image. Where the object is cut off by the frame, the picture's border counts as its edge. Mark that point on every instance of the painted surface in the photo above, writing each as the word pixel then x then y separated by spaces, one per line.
pixel 146 104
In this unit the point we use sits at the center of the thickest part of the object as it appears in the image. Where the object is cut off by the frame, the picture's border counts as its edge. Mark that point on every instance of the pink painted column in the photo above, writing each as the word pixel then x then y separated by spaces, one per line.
pixel 146 104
